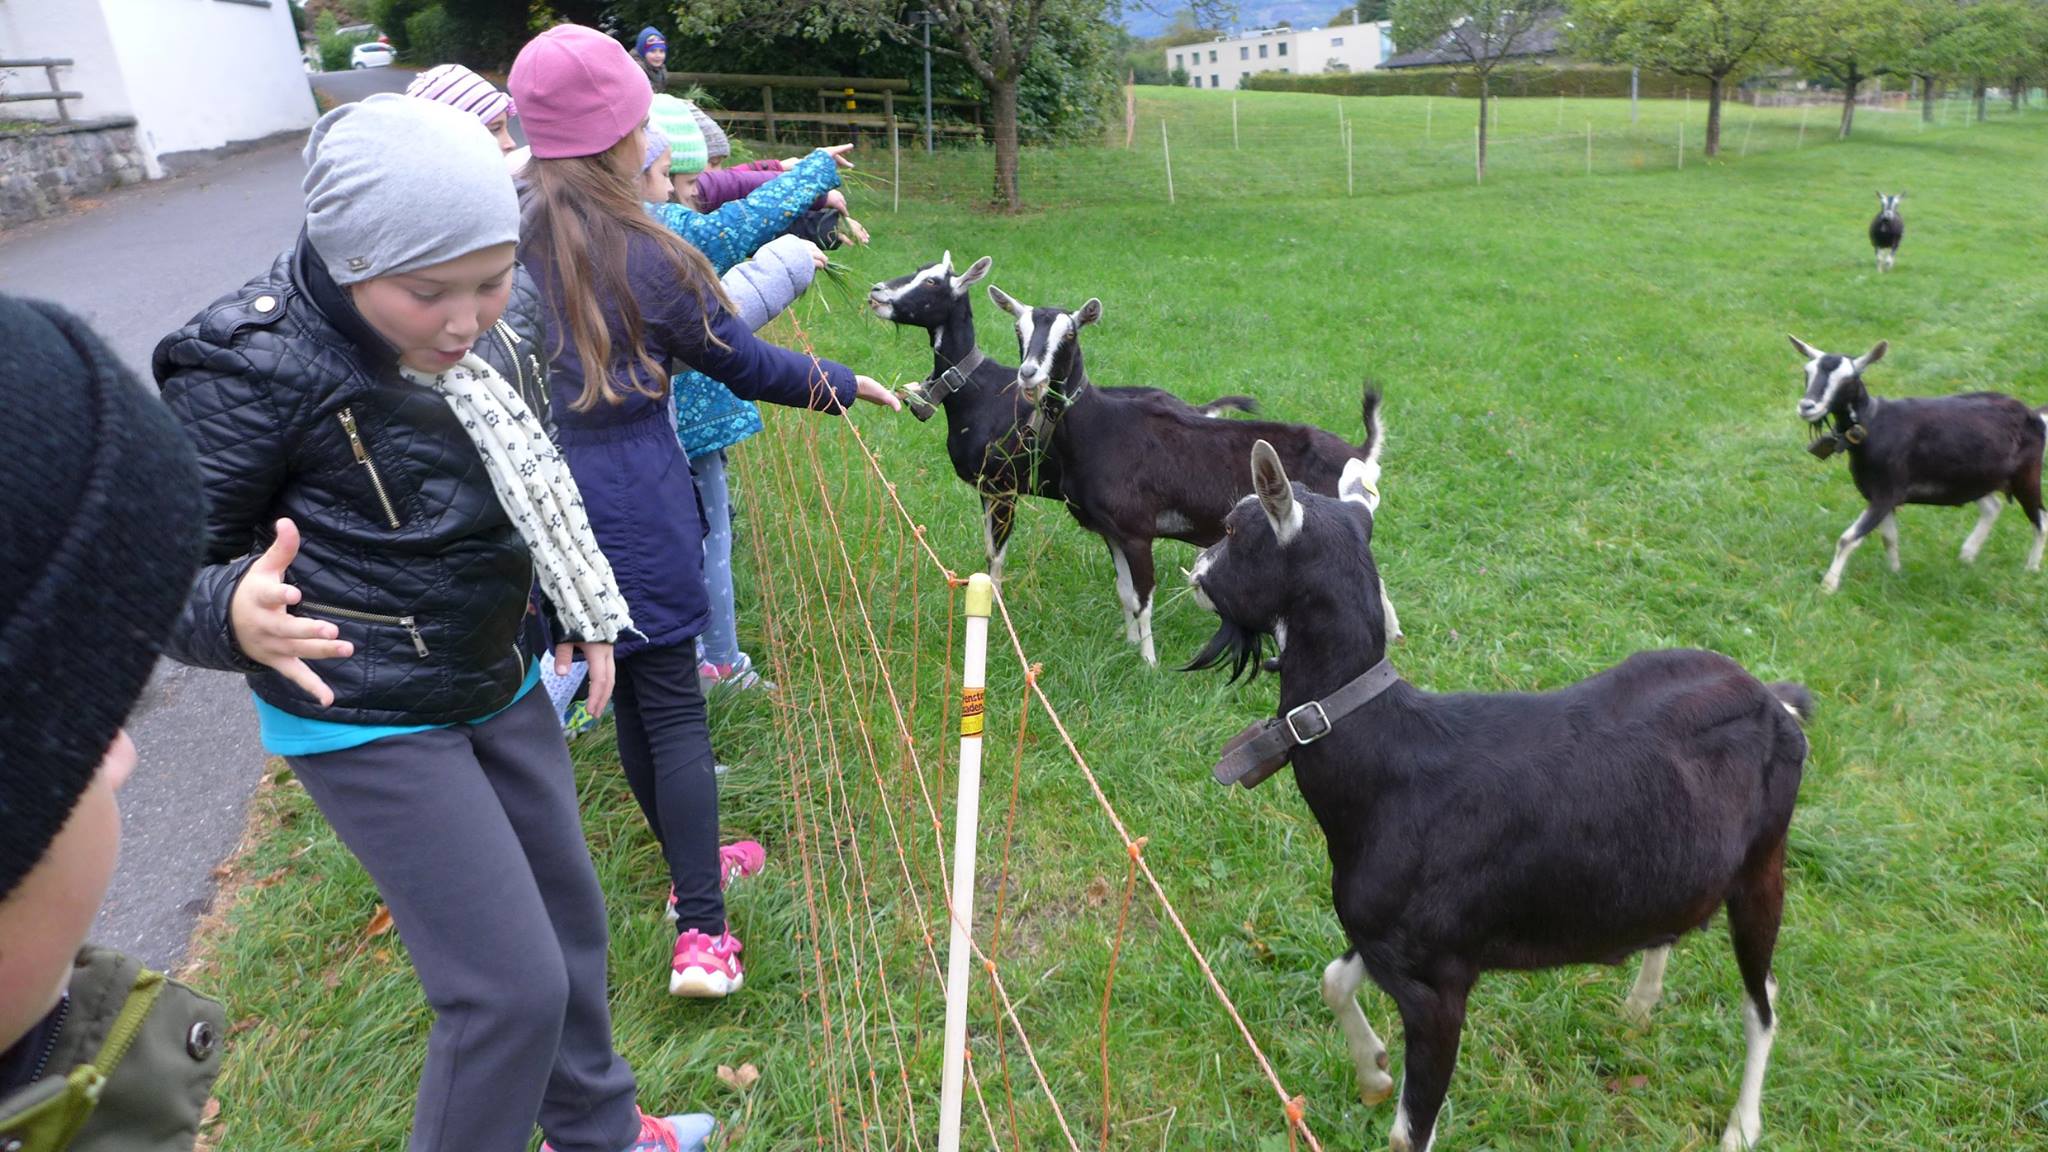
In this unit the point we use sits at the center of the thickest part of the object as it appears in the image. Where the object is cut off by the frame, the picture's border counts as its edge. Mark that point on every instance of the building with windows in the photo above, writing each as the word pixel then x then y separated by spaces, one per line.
pixel 1229 61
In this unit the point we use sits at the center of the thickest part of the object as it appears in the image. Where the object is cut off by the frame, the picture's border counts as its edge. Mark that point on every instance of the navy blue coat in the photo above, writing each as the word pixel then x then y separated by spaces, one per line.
pixel 633 474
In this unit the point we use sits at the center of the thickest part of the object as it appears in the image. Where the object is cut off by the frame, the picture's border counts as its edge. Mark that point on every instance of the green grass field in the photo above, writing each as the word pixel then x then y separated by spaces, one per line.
pixel 1592 451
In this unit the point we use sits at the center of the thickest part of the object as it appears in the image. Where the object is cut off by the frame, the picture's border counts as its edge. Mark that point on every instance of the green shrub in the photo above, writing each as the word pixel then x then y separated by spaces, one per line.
pixel 1592 81
pixel 395 18
pixel 433 37
pixel 335 47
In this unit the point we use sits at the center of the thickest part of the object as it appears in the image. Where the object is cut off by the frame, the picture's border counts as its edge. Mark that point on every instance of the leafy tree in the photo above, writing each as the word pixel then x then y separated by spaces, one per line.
pixel 1926 58
pixel 1478 35
pixel 1847 42
pixel 1995 39
pixel 390 16
pixel 1715 40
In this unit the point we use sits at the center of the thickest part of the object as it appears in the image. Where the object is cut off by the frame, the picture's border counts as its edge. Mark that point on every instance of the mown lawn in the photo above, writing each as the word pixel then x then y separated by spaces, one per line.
pixel 1592 451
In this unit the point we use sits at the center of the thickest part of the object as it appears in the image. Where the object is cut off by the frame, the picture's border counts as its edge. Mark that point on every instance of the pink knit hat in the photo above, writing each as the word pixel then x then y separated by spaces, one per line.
pixel 578 92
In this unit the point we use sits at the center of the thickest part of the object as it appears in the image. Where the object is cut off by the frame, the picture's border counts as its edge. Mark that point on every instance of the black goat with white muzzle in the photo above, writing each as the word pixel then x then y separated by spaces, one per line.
pixel 1979 446
pixel 1134 469
pixel 1471 832
pixel 1887 230
pixel 991 434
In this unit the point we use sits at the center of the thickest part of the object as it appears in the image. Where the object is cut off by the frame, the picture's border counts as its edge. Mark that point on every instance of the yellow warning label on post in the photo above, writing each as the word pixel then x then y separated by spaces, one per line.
pixel 970 711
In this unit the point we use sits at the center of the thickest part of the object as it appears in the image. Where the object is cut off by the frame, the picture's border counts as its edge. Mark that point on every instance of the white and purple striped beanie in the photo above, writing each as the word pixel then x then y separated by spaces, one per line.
pixel 460 88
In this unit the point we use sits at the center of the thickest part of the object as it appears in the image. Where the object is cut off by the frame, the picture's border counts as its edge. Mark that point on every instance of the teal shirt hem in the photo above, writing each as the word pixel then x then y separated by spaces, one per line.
pixel 284 734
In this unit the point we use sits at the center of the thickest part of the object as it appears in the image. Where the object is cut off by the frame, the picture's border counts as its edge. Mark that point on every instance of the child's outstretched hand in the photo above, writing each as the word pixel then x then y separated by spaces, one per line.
pixel 837 152
pixel 875 392
pixel 269 634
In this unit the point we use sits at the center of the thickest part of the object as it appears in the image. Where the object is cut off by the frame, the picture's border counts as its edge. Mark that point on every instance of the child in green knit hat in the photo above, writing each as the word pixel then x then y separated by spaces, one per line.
pixel 672 116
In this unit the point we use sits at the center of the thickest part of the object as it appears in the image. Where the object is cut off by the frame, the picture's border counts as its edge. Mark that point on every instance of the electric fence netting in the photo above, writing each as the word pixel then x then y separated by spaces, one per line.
pixel 864 624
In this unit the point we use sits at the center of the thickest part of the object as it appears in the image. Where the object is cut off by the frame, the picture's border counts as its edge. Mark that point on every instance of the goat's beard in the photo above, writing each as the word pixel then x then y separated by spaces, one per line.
pixel 1240 646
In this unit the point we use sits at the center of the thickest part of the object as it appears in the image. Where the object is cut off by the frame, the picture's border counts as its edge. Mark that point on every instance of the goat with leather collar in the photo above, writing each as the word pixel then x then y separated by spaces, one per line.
pixel 1470 832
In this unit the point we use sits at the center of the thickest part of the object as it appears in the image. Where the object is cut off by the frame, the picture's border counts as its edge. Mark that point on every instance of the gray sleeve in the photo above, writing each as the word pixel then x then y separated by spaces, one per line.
pixel 770 282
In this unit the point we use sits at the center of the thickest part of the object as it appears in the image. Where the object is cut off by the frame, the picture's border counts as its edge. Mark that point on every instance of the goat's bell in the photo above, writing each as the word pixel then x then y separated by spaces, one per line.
pixel 1824 447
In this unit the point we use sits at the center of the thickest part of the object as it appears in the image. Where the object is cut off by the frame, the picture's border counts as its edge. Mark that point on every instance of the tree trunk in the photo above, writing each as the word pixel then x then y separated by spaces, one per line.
pixel 1926 98
pixel 1849 104
pixel 2018 86
pixel 1978 95
pixel 1003 96
pixel 1714 86
pixel 1484 99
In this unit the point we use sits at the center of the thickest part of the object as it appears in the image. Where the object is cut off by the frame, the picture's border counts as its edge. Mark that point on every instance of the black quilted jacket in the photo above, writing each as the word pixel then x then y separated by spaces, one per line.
pixel 297 409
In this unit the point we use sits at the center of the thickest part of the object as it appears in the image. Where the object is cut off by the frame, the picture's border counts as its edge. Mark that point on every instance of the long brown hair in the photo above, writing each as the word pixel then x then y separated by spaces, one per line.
pixel 584 213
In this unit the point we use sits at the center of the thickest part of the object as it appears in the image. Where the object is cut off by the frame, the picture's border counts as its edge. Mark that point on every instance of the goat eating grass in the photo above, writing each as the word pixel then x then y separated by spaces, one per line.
pixel 1135 469
pixel 991 436
pixel 1474 832
pixel 1976 447
pixel 1887 229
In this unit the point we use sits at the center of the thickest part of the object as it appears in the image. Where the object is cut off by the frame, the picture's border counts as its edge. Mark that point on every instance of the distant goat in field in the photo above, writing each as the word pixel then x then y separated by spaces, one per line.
pixel 1134 469
pixel 1887 230
pixel 1978 447
pixel 989 421
pixel 1476 832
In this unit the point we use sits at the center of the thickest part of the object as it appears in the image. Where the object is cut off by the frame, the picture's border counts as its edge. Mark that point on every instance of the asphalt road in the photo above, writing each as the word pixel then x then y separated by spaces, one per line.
pixel 137 264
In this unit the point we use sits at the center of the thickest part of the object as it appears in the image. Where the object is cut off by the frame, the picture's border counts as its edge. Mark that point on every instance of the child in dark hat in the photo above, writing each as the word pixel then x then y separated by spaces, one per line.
pixel 650 51
pixel 99 496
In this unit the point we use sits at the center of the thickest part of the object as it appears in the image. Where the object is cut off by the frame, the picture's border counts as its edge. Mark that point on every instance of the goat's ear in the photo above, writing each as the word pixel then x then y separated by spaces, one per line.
pixel 1089 313
pixel 1880 199
pixel 1002 300
pixel 974 273
pixel 1360 483
pixel 1872 356
pixel 1805 349
pixel 1276 495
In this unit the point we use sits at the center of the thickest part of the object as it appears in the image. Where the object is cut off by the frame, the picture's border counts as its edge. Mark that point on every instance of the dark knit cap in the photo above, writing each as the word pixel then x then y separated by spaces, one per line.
pixel 100 535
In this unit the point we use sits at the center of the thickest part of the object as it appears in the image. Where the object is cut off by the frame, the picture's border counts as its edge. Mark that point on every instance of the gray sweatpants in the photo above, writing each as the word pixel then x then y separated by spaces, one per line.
pixel 473 837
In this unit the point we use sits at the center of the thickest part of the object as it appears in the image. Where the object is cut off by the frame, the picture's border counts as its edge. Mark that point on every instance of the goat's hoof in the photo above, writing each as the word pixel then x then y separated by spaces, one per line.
pixel 1736 1140
pixel 1375 1088
pixel 1827 587
pixel 1399 1142
pixel 1636 1014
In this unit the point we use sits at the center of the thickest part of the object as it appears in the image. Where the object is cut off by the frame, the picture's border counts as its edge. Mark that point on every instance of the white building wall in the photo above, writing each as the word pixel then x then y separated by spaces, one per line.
pixel 208 73
pixel 74 29
pixel 1228 62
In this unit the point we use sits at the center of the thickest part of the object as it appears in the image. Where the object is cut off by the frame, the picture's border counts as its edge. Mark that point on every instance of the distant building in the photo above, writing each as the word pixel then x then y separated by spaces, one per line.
pixel 1228 61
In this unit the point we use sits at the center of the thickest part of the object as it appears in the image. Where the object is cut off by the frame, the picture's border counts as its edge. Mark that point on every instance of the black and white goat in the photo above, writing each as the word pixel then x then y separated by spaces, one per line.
pixel 1979 446
pixel 1471 832
pixel 989 431
pixel 1887 229
pixel 1135 469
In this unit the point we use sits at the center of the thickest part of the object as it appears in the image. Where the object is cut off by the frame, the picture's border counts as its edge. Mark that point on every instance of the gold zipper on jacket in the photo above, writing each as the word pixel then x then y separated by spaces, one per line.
pixel 409 623
pixel 355 443
pixel 508 338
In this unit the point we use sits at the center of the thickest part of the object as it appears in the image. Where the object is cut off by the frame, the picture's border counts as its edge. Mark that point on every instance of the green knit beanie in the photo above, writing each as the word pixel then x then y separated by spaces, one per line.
pixel 671 115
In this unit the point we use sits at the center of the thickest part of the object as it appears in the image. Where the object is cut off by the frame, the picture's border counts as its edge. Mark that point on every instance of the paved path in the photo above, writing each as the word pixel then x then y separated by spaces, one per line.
pixel 137 264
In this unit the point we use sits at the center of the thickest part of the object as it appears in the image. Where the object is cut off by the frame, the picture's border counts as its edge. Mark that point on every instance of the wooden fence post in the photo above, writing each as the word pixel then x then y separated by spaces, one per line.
pixel 768 107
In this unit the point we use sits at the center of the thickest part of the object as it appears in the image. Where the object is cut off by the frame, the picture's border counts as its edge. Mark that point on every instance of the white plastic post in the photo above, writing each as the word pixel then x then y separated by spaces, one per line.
pixel 1747 129
pixel 1429 120
pixel 1350 188
pixel 1168 150
pixel 1233 123
pixel 1803 110
pixel 1681 145
pixel 966 836
pixel 1478 167
pixel 896 158
pixel 1589 147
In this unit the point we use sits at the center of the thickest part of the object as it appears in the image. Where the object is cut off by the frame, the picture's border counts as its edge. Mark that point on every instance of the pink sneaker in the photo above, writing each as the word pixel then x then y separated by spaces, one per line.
pixel 668 1134
pixel 706 968
pixel 735 862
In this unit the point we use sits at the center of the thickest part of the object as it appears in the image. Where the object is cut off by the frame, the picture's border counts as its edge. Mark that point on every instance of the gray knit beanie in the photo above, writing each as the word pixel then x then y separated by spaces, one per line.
pixel 394 184
pixel 716 146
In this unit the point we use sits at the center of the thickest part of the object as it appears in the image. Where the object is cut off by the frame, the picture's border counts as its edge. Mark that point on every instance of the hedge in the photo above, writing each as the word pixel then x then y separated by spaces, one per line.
pixel 1594 81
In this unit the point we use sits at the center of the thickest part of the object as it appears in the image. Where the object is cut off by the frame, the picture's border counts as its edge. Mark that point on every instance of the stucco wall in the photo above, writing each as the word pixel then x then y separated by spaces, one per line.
pixel 36 29
pixel 204 74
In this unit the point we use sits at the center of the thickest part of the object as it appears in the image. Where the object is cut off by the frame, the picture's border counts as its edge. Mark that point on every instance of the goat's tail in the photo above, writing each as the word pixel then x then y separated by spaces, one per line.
pixel 1217 407
pixel 2041 414
pixel 1375 427
pixel 1796 699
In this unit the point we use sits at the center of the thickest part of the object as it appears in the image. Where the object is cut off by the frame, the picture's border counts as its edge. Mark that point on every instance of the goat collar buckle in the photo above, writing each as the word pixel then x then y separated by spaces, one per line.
pixel 1263 749
pixel 1322 722
pixel 1854 433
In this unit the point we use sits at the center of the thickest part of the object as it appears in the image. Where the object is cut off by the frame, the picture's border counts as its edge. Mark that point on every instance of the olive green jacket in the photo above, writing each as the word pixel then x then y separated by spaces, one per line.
pixel 132 1067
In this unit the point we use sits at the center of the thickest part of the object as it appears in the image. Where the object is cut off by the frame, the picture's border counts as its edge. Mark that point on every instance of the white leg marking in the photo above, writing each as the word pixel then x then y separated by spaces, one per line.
pixel 1746 1123
pixel 2040 537
pixel 1126 594
pixel 1649 987
pixel 1340 991
pixel 1890 531
pixel 1145 632
pixel 1988 508
pixel 1844 548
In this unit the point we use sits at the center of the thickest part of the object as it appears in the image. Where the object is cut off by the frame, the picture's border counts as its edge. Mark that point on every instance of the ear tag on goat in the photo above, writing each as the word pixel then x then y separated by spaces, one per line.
pixel 1234 769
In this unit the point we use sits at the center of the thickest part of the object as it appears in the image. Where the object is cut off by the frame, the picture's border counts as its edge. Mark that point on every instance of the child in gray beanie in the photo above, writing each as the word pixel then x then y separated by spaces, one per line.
pixel 372 420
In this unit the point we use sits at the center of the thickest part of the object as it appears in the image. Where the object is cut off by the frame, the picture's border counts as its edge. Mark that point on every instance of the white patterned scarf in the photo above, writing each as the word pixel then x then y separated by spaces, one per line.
pixel 538 493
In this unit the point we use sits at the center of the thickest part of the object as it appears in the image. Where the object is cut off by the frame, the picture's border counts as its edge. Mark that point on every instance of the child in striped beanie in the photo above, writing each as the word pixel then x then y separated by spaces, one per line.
pixel 458 87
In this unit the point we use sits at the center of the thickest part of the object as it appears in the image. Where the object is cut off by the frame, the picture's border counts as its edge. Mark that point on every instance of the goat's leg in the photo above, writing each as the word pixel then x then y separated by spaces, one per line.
pixel 1144 580
pixel 1394 632
pixel 1851 540
pixel 2030 502
pixel 1432 1017
pixel 998 517
pixel 1754 912
pixel 1368 1055
pixel 1649 988
pixel 1988 508
pixel 1889 530
pixel 1126 593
